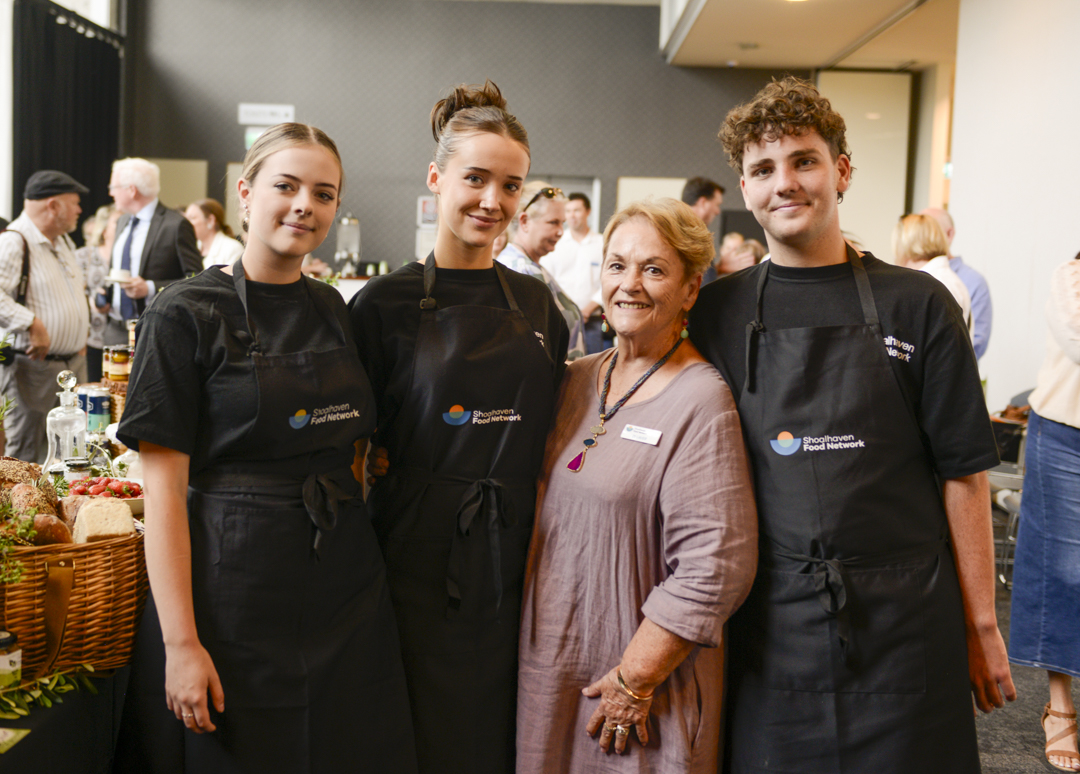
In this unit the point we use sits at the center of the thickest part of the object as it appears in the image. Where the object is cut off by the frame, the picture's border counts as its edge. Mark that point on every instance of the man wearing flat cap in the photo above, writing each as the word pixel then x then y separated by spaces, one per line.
pixel 44 316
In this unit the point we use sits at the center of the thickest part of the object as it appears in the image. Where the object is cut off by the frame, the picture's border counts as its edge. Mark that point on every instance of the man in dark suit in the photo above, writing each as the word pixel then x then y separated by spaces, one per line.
pixel 154 247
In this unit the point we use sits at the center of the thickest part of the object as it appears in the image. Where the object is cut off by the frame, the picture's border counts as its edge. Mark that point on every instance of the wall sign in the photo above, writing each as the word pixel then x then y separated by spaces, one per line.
pixel 253 114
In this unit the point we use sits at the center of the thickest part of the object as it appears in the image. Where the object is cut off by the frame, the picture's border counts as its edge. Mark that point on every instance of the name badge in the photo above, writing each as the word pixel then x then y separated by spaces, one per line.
pixel 641 435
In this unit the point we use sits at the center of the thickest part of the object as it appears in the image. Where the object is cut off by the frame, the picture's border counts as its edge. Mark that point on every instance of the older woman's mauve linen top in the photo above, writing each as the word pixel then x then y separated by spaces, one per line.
pixel 667 532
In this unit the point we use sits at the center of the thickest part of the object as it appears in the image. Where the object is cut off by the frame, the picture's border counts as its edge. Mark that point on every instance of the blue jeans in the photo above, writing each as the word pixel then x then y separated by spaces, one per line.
pixel 1044 631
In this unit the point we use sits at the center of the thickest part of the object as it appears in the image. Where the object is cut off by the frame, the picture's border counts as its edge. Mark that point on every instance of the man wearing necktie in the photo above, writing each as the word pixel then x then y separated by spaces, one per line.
pixel 154 245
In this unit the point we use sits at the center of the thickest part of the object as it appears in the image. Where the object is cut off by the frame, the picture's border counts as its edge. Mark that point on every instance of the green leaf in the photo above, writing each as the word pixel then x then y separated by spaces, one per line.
pixel 9 715
pixel 87 667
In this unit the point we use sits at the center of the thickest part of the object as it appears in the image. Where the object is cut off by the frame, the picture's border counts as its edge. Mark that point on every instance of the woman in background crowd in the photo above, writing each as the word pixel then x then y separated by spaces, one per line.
pixel 268 587
pixel 536 229
pixel 216 241
pixel 646 533
pixel 1044 631
pixel 748 253
pixel 919 243
pixel 94 259
pixel 465 357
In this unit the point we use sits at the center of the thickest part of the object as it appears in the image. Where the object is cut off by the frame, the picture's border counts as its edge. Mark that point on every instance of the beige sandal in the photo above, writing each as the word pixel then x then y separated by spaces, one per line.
pixel 1071 730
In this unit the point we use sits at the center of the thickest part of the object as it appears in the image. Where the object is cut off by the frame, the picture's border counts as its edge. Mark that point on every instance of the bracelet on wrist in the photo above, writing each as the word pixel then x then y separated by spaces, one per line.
pixel 626 688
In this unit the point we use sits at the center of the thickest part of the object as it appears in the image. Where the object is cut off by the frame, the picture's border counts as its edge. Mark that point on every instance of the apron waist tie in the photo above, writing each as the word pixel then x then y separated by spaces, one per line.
pixel 484 499
pixel 830 581
pixel 322 493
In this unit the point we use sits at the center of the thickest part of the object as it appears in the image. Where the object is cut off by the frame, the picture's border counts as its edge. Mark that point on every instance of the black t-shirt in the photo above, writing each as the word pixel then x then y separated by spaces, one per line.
pixel 192 345
pixel 925 335
pixel 386 320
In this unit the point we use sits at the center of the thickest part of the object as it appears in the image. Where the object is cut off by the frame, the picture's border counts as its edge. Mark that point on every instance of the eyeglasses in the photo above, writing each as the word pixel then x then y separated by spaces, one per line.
pixel 547 193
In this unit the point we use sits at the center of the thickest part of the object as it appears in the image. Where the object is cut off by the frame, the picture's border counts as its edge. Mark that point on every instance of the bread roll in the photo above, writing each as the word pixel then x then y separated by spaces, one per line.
pixel 103 518
pixel 50 530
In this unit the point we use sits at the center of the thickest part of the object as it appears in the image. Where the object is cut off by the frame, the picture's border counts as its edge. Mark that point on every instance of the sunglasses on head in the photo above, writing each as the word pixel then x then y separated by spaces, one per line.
pixel 547 193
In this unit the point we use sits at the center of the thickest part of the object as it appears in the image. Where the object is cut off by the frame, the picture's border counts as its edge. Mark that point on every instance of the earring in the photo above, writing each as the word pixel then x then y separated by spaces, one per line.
pixel 603 325
pixel 685 333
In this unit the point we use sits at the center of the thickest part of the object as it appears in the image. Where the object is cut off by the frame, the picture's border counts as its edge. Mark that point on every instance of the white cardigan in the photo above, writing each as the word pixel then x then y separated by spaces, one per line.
pixel 224 251
pixel 1057 391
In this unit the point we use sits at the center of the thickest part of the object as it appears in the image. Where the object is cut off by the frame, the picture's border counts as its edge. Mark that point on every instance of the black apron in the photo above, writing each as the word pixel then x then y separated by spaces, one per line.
pixel 849 654
pixel 288 583
pixel 454 517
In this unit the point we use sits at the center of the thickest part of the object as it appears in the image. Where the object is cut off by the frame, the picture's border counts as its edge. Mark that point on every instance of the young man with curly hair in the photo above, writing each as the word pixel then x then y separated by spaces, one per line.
pixel 871 620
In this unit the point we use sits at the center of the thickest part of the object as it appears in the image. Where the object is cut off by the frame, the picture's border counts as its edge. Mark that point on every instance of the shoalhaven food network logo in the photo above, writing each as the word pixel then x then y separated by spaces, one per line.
pixel 320 415
pixel 787 444
pixel 457 415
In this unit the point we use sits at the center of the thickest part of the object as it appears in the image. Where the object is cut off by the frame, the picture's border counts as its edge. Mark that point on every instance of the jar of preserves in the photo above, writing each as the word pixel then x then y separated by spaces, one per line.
pixel 10 660
pixel 106 362
pixel 121 363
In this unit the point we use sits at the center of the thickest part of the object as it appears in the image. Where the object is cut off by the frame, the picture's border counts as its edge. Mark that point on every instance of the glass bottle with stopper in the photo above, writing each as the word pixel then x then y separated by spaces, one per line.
pixel 347 256
pixel 65 426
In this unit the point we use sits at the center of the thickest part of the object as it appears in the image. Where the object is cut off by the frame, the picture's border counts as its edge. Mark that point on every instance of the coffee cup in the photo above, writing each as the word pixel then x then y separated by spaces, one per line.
pixel 120 275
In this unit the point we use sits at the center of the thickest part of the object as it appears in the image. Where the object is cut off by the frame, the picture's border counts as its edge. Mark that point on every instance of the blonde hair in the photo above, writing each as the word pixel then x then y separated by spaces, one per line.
pixel 99 221
pixel 472 110
pixel 918 238
pixel 540 205
pixel 677 224
pixel 280 137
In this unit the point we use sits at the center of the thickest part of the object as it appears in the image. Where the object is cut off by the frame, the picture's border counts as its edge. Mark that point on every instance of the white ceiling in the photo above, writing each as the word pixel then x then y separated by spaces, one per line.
pixel 877 34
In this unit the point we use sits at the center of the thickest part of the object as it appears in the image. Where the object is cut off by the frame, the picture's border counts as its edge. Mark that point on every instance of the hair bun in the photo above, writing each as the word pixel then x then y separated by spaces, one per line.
pixel 461 98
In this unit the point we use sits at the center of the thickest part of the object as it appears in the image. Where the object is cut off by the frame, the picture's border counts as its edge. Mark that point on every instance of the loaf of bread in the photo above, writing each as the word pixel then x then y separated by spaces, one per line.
pixel 69 507
pixel 48 530
pixel 27 498
pixel 13 472
pixel 103 518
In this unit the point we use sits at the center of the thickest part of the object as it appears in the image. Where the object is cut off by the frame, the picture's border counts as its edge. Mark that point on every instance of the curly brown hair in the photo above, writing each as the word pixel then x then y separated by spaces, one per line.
pixel 789 106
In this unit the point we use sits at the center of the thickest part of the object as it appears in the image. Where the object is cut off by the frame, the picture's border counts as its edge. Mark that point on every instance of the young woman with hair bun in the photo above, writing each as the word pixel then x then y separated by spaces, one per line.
pixel 269 644
pixel 465 357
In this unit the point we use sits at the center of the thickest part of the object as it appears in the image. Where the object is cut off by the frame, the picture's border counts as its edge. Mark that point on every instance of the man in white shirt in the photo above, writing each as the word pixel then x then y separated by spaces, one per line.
pixel 45 318
pixel 154 244
pixel 575 264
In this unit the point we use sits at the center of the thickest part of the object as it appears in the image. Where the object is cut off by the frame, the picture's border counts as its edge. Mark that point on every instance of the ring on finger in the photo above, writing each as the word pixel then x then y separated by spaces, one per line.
pixel 609 727
pixel 622 730
pixel 186 715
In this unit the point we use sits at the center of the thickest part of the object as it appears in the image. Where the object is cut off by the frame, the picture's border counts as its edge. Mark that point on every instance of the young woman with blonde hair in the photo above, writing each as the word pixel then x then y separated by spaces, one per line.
pixel 269 592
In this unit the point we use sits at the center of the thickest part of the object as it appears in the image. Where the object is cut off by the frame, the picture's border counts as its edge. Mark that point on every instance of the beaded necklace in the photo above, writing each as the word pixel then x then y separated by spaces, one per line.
pixel 578 462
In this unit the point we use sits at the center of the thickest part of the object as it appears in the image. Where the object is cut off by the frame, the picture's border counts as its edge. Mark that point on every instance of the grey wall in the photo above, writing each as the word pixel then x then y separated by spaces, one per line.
pixel 587 82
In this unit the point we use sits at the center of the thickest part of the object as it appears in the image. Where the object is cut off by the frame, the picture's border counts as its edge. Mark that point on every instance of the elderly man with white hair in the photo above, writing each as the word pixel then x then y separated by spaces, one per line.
pixel 154 245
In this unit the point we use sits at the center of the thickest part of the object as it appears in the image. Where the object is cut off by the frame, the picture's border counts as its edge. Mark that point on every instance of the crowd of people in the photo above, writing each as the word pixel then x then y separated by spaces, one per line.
pixel 753 535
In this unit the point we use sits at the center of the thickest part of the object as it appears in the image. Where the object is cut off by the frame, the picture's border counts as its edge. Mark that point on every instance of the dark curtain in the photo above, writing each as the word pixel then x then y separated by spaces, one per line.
pixel 67 99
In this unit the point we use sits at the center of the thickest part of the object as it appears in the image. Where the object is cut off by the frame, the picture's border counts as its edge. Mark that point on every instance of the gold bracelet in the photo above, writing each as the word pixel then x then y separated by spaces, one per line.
pixel 626 688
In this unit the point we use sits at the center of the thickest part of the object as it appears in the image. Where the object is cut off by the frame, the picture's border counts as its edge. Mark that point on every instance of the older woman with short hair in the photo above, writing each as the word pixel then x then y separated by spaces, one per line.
pixel 645 538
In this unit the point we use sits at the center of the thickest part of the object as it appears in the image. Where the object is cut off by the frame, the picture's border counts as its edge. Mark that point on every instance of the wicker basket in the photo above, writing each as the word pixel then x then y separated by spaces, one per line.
pixel 76 604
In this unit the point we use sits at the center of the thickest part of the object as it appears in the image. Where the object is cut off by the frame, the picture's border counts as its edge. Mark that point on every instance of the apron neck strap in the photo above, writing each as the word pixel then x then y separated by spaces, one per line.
pixel 866 300
pixel 429 304
pixel 240 283
pixel 862 283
